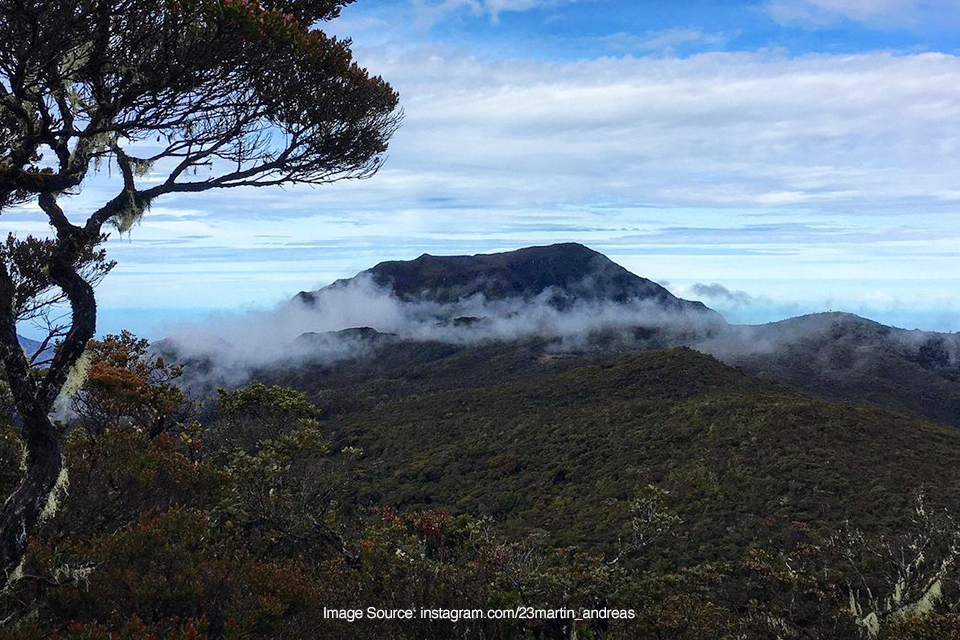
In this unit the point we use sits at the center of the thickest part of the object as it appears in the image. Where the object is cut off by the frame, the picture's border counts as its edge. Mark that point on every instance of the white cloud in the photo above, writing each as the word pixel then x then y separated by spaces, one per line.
pixel 881 13
pixel 872 132
pixel 665 41
pixel 429 12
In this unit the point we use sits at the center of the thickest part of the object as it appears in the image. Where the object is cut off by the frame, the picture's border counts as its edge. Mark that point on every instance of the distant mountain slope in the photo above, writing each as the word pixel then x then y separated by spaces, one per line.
pixel 833 356
pixel 30 347
pixel 572 271
pixel 845 357
pixel 425 305
pixel 564 445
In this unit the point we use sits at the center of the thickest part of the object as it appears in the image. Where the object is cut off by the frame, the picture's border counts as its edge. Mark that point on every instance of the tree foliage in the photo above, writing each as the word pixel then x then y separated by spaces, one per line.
pixel 179 96
pixel 243 88
pixel 126 385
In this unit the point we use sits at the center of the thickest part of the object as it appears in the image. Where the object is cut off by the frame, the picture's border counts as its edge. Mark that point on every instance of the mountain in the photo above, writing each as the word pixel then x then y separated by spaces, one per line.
pixel 833 356
pixel 841 356
pixel 577 304
pixel 819 418
pixel 568 272
pixel 31 347
pixel 563 444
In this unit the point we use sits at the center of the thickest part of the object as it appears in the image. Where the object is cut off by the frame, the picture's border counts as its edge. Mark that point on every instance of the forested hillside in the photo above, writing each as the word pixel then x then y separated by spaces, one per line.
pixel 566 448
pixel 603 468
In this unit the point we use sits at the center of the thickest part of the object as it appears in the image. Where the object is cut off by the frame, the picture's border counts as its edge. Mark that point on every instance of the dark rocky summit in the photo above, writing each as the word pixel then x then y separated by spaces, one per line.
pixel 568 273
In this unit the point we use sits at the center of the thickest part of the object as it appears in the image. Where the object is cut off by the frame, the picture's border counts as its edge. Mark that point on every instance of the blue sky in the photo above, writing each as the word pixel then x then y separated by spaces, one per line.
pixel 804 154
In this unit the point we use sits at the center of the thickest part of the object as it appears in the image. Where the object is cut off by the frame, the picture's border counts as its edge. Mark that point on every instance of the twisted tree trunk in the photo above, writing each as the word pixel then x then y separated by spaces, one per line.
pixel 42 459
pixel 33 401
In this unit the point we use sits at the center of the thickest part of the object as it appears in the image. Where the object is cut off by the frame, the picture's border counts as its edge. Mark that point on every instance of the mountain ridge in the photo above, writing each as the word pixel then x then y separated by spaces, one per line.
pixel 833 355
pixel 575 273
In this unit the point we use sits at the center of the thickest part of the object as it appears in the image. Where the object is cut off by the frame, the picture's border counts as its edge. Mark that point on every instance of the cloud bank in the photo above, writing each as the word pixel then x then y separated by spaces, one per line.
pixel 297 331
pixel 719 292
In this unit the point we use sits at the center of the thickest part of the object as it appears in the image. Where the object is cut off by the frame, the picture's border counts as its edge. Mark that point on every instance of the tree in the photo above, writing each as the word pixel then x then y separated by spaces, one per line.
pixel 127 386
pixel 200 95
pixel 258 412
pixel 39 300
pixel 895 577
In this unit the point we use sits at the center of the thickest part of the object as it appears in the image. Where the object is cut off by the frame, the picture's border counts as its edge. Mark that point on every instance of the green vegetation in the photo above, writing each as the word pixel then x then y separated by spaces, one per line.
pixel 840 356
pixel 567 450
pixel 707 503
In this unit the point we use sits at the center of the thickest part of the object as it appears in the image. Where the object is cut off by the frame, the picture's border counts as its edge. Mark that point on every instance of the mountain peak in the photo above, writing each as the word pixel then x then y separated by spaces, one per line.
pixel 569 272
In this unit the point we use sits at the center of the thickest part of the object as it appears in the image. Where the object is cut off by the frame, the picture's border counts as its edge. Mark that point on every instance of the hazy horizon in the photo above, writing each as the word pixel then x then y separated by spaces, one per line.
pixel 735 303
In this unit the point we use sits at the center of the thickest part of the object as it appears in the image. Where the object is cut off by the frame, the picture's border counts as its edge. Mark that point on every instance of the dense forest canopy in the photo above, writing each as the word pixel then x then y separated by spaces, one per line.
pixel 242 519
